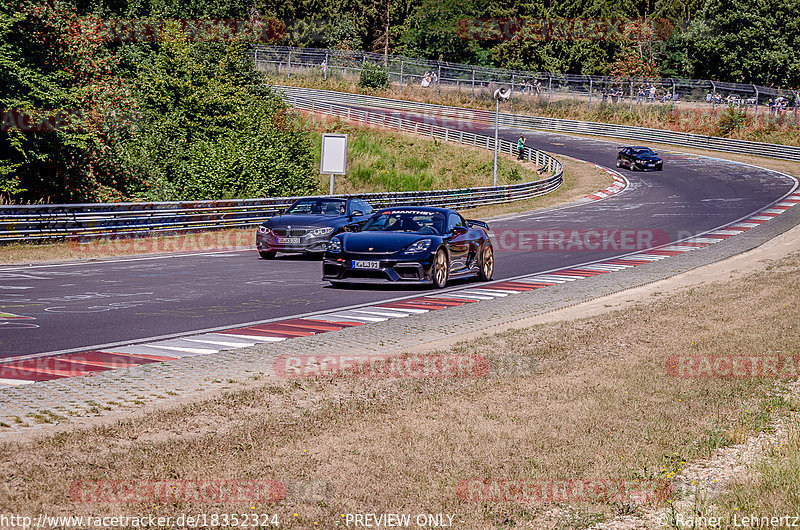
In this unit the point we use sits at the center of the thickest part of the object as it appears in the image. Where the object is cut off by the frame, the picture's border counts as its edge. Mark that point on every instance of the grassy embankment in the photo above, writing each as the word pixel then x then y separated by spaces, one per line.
pixel 688 117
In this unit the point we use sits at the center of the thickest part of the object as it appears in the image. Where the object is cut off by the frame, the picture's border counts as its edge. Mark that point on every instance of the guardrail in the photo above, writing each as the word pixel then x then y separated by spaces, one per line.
pixel 716 143
pixel 85 221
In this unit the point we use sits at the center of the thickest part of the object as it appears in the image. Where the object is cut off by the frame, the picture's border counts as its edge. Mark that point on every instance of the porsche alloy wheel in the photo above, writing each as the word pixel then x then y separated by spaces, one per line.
pixel 487 263
pixel 441 267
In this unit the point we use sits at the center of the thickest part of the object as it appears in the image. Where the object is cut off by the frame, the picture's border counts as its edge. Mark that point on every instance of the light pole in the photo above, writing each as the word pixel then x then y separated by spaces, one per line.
pixel 501 93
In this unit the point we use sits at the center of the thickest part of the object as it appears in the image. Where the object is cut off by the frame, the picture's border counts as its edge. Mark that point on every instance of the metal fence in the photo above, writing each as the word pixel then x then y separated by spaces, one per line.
pixel 465 115
pixel 86 221
pixel 531 87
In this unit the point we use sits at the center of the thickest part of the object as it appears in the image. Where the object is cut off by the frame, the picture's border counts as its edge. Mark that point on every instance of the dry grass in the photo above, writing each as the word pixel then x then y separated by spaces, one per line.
pixel 382 160
pixel 595 402
pixel 688 117
pixel 771 489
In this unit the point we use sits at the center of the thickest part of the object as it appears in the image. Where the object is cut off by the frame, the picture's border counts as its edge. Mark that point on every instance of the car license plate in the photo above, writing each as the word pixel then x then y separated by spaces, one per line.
pixel 360 264
pixel 289 240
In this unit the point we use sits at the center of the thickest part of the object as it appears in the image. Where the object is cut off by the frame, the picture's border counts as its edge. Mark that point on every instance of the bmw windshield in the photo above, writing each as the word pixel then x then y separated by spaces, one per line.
pixel 643 152
pixel 333 207
pixel 420 222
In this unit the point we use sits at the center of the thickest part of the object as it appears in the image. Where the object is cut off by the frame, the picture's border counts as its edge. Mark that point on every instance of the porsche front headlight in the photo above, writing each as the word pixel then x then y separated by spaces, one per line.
pixel 420 246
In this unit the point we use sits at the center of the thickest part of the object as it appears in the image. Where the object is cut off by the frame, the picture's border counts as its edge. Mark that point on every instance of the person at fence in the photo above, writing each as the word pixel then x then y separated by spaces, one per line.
pixel 521 148
pixel 426 80
pixel 667 96
pixel 709 97
pixel 613 95
pixel 675 96
pixel 324 66
pixel 537 86
pixel 652 93
pixel 640 95
pixel 604 93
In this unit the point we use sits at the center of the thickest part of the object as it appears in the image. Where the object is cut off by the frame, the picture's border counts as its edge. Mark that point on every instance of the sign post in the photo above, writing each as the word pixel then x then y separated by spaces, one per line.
pixel 334 156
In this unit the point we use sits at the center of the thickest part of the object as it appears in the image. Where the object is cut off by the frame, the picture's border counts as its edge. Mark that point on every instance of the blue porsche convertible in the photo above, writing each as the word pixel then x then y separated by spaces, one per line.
pixel 410 244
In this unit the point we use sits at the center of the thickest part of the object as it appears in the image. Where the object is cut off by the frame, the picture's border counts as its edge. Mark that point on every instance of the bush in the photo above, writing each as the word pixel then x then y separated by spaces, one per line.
pixel 373 76
pixel 213 131
pixel 731 120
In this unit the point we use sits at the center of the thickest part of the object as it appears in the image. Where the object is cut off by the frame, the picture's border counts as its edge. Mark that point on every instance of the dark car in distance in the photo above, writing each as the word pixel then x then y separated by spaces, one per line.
pixel 410 245
pixel 639 158
pixel 308 225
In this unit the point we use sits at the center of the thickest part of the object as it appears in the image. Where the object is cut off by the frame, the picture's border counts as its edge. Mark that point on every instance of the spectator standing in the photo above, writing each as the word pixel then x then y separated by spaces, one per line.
pixel 653 93
pixel 520 147
pixel 640 95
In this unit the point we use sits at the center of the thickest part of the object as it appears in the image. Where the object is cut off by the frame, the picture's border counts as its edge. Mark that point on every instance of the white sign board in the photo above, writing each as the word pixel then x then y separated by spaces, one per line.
pixel 334 154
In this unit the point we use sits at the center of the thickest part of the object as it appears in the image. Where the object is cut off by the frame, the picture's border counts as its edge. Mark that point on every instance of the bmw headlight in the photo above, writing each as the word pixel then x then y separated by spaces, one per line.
pixel 420 246
pixel 263 230
pixel 322 231
pixel 335 245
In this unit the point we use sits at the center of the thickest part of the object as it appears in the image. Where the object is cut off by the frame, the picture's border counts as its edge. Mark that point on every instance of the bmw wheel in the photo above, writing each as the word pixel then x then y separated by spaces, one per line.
pixel 486 263
pixel 440 269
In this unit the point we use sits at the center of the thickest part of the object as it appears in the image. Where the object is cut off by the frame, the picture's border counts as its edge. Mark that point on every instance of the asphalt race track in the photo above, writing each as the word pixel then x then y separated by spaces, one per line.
pixel 78 306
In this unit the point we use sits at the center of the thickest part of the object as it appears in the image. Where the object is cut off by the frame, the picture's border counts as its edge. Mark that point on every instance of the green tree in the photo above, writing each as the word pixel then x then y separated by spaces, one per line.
pixel 373 76
pixel 746 41
pixel 213 129
pixel 48 64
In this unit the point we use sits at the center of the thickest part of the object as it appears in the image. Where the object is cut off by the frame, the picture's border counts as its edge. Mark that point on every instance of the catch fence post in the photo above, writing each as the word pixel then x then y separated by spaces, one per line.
pixel 713 99
pixel 511 99
pixel 756 114
pixel 473 83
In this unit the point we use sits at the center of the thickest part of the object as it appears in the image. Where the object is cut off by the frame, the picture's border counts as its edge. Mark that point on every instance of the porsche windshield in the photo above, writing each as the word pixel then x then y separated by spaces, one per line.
pixel 319 207
pixel 421 222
